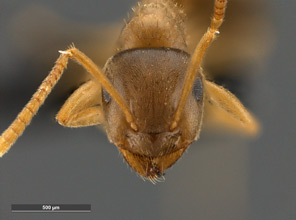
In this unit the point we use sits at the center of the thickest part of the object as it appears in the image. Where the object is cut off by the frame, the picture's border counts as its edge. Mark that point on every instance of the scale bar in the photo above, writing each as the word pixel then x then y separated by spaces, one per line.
pixel 51 208
pixel 50 211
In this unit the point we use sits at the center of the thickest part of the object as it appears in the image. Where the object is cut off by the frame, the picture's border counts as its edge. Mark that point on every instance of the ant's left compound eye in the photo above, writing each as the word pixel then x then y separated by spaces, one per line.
pixel 198 89
pixel 106 96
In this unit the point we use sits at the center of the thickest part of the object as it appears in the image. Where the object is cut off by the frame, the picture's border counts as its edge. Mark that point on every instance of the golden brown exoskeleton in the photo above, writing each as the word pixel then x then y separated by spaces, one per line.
pixel 150 96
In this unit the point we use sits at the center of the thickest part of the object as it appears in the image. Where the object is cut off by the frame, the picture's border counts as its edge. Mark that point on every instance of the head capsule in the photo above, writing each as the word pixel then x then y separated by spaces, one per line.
pixel 150 80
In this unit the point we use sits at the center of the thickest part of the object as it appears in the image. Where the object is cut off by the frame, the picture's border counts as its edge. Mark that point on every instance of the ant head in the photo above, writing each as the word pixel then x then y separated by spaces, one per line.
pixel 151 81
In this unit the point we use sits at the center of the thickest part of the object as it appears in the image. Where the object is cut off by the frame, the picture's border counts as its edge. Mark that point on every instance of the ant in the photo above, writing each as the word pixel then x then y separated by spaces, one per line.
pixel 150 96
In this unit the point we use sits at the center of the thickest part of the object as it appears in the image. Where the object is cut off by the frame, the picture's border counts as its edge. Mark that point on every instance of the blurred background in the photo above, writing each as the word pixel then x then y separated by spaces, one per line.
pixel 222 176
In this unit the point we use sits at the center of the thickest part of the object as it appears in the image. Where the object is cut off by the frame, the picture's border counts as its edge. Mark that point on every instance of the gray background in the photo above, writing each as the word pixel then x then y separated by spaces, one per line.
pixel 220 177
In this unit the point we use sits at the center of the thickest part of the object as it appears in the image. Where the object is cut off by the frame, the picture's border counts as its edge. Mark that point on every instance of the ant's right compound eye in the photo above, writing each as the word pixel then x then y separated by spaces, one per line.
pixel 198 89
pixel 106 96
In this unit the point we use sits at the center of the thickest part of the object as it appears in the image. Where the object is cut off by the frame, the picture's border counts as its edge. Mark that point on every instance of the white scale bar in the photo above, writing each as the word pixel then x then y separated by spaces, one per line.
pixel 51 211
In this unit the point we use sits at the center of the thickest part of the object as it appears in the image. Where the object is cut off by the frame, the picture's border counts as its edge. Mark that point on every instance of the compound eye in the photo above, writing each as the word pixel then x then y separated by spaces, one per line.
pixel 106 96
pixel 198 89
